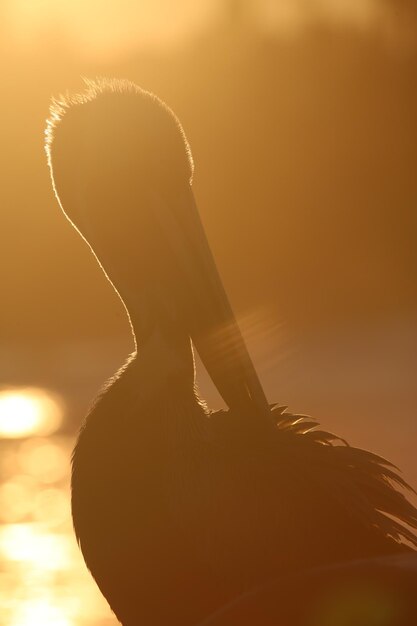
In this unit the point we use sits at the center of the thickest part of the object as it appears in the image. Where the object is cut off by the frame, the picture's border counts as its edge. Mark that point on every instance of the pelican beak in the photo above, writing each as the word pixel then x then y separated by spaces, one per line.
pixel 209 317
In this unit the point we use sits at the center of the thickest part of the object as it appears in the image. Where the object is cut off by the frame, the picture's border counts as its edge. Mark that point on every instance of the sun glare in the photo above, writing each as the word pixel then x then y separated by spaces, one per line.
pixel 26 412
pixel 34 613
pixel 27 543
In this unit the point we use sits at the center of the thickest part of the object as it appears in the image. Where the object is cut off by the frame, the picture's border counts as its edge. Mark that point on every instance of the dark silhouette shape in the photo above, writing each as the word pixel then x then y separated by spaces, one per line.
pixel 178 510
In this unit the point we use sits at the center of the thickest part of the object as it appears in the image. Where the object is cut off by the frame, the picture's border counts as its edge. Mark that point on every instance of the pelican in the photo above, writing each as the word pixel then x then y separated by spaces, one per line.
pixel 180 511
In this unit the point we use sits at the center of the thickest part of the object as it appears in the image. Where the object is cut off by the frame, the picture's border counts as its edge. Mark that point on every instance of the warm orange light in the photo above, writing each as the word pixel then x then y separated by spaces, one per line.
pixel 16 498
pixel 28 543
pixel 115 27
pixel 36 612
pixel 28 411
pixel 45 460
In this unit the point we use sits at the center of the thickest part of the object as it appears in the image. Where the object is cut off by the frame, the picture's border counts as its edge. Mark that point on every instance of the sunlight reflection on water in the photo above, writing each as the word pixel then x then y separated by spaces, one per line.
pixel 43 579
pixel 28 411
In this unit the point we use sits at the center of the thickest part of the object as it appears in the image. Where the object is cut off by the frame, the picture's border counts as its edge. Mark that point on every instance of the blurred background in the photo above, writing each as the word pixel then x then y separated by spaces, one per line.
pixel 301 116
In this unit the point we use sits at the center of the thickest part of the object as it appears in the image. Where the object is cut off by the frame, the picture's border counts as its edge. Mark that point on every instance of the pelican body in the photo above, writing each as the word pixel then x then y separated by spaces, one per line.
pixel 179 510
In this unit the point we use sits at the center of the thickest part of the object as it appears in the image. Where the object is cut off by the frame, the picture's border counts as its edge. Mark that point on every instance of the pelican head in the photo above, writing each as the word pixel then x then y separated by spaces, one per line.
pixel 122 172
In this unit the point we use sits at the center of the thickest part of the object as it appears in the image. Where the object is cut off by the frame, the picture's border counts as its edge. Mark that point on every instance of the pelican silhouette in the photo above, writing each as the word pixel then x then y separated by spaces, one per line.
pixel 179 510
